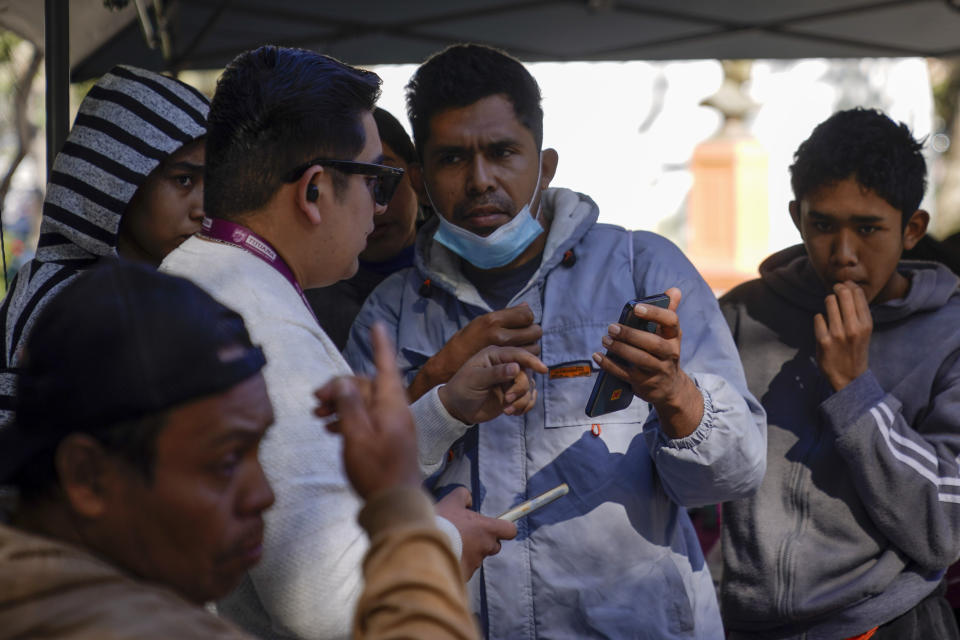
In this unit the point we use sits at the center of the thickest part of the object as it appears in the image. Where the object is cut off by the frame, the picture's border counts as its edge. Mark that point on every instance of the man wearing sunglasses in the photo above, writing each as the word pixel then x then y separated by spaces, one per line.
pixel 381 179
pixel 293 182
pixel 390 246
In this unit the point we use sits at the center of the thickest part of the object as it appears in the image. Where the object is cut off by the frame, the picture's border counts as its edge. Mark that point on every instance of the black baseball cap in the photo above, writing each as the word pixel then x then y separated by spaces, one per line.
pixel 121 342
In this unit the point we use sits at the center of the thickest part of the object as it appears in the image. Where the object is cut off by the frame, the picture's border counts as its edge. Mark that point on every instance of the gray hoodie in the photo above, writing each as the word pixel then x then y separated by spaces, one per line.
pixel 859 513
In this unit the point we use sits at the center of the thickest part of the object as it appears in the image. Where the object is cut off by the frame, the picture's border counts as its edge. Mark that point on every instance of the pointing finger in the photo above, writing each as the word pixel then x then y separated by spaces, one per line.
pixel 387 384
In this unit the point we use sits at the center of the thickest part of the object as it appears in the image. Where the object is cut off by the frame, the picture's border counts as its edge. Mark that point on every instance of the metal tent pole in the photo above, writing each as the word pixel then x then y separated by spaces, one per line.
pixel 56 36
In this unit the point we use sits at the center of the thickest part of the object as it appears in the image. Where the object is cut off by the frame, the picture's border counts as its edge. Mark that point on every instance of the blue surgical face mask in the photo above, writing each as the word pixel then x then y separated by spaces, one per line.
pixel 500 247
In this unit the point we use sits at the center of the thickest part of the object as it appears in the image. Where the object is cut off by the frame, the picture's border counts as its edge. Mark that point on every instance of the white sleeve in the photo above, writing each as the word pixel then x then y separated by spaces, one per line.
pixel 436 430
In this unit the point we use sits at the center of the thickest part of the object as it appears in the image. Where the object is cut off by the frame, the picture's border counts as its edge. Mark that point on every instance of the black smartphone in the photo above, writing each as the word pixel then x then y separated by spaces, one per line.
pixel 610 393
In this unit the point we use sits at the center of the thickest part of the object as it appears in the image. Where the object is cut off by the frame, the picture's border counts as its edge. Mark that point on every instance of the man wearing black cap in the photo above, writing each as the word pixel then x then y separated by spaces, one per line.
pixel 141 408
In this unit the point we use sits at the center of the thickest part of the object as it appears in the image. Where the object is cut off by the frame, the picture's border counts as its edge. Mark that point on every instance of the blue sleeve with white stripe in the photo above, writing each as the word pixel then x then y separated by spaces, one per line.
pixel 906 475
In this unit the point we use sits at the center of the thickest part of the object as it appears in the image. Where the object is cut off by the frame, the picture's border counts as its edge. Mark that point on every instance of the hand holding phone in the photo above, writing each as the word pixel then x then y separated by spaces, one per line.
pixel 611 393
pixel 653 367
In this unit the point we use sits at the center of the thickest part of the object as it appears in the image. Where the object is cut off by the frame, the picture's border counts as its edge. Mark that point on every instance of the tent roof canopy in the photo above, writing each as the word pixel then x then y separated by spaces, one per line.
pixel 208 33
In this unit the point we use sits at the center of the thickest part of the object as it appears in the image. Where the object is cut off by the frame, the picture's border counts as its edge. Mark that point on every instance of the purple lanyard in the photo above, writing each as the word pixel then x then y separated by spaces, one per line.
pixel 238 236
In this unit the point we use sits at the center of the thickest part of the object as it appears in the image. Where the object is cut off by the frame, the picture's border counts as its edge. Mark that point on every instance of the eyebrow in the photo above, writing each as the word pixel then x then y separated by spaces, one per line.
pixel 184 166
pixel 241 434
pixel 437 151
pixel 860 219
pixel 500 142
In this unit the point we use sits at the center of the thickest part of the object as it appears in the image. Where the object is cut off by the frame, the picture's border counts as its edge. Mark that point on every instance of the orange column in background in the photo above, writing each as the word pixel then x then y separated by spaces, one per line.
pixel 727 219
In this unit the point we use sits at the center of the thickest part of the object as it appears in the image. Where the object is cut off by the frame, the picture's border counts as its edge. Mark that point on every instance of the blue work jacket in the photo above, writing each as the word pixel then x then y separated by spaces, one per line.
pixel 618 556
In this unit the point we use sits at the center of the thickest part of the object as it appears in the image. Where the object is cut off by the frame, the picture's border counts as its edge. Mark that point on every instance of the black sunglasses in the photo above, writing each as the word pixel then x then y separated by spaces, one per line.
pixel 388 178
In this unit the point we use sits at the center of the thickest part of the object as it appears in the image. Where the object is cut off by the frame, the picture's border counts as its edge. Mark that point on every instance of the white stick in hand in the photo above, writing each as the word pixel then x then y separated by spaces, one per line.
pixel 532 505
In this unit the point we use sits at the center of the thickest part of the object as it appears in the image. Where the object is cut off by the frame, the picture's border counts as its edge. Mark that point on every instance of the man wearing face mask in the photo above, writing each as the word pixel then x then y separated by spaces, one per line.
pixel 509 261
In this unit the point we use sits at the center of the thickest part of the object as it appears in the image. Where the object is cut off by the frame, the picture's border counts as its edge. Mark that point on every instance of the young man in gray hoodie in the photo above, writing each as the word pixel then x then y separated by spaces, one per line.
pixel 855 355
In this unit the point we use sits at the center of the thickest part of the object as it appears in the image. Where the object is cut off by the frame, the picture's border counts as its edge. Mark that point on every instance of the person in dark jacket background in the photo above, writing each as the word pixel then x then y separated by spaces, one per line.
pixel 855 355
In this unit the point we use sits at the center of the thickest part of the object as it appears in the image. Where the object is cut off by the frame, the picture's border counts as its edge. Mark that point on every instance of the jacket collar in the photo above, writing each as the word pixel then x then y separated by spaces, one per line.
pixel 790 274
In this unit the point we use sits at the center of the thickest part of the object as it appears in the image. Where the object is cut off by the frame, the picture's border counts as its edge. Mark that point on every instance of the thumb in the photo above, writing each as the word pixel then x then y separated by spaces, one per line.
pixel 517 317
pixel 462 496
pixel 503 529
pixel 675 295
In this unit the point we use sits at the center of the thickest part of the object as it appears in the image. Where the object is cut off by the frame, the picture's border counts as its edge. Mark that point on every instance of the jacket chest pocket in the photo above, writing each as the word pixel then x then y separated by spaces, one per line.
pixel 568 353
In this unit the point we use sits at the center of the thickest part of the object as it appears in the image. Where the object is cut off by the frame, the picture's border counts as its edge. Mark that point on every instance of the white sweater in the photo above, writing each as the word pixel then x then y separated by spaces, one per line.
pixel 310 577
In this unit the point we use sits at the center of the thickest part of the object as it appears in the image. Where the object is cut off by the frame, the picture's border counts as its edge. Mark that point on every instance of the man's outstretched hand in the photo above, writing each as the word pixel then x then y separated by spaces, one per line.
pixel 379 438
pixel 510 327
pixel 494 381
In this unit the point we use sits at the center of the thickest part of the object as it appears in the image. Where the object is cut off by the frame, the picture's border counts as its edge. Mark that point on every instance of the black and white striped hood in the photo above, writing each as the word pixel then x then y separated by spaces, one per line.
pixel 128 123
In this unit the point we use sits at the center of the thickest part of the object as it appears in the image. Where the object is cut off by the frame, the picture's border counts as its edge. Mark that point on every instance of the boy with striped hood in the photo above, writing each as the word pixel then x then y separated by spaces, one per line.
pixel 128 182
pixel 855 356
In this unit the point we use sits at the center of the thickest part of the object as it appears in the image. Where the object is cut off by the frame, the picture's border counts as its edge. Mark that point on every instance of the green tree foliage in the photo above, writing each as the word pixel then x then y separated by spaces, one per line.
pixel 20 121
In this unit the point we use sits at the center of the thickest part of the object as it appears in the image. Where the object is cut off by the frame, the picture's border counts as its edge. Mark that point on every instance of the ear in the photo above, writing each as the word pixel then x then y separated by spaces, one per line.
pixel 795 215
pixel 916 228
pixel 415 173
pixel 313 181
pixel 549 161
pixel 85 475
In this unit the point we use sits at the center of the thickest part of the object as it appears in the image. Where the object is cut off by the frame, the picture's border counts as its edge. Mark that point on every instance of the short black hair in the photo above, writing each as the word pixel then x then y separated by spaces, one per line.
pixel 882 155
pixel 393 133
pixel 276 108
pixel 462 74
